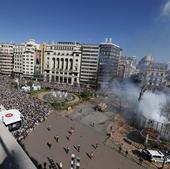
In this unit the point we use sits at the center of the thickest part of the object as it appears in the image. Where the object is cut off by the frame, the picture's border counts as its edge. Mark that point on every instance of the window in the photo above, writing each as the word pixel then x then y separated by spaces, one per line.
pixel 69 80
pixel 65 80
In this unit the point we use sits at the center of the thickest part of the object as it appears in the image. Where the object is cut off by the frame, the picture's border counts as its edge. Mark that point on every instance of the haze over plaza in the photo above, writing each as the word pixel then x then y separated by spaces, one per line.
pixel 140 27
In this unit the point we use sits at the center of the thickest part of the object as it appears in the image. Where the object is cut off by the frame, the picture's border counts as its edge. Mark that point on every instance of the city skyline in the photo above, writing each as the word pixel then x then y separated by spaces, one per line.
pixel 140 28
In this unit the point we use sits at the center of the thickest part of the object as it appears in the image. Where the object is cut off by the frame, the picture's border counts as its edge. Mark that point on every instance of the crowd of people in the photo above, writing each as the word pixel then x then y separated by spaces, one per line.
pixel 63 87
pixel 33 111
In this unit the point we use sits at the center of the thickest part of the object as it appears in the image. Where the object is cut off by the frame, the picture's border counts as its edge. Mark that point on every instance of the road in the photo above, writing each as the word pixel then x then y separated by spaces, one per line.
pixel 104 157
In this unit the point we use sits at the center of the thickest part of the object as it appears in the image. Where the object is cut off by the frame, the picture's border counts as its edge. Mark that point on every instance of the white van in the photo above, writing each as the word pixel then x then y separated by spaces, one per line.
pixel 156 156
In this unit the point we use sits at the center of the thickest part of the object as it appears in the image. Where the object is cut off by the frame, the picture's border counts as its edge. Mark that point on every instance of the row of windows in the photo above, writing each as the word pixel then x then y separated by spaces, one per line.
pixel 88 76
pixel 61 48
pixel 18 64
pixel 90 51
pixel 28 59
pixel 63 54
pixel 28 69
pixel 62 59
pixel 89 54
pixel 89 62
pixel 26 72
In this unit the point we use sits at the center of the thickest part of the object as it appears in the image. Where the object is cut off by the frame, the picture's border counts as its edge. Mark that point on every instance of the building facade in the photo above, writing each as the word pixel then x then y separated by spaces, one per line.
pixel 89 65
pixel 109 58
pixel 127 67
pixel 152 72
pixel 18 59
pixel 27 59
pixel 62 63
pixel 6 59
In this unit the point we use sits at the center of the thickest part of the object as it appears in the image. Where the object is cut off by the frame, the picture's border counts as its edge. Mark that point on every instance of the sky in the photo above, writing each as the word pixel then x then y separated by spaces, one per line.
pixel 139 27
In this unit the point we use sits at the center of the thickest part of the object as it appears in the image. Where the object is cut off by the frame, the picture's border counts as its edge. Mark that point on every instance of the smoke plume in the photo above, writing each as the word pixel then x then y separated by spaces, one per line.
pixel 151 104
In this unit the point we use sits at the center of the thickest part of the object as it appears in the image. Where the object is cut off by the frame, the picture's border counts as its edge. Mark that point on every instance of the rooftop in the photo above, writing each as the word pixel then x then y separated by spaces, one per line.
pixel 11 152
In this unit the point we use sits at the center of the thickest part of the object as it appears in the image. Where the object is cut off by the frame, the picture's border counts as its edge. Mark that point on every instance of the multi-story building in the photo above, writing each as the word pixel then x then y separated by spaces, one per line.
pixel 127 67
pixel 6 58
pixel 109 58
pixel 152 72
pixel 38 62
pixel 62 63
pixel 18 59
pixel 89 65
pixel 27 59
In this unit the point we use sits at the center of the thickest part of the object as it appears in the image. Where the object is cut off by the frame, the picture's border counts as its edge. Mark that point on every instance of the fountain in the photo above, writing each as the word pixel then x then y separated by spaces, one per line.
pixel 59 96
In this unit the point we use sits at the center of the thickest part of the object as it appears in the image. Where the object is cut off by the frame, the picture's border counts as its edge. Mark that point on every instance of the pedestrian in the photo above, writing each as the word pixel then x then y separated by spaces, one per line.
pixel 97 145
pixel 48 128
pixel 120 148
pixel 72 128
pixel 68 137
pixel 67 150
pixel 60 164
pixel 126 152
pixel 45 164
pixel 56 138
pixel 91 155
pixel 78 148
pixel 49 144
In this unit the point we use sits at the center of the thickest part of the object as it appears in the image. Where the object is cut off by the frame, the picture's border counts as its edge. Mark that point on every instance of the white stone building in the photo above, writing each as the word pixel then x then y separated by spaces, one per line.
pixel 25 58
pixel 151 72
pixel 6 58
pixel 18 58
pixel 127 67
pixel 29 58
pixel 62 63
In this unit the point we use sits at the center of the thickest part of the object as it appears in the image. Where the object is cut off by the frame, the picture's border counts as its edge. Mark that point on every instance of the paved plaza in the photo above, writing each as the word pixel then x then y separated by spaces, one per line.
pixel 56 125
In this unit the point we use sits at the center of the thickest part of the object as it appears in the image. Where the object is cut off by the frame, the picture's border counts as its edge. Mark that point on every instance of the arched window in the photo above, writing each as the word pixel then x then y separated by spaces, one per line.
pixel 71 64
pixel 62 63
pixel 66 60
pixel 58 63
pixel 53 59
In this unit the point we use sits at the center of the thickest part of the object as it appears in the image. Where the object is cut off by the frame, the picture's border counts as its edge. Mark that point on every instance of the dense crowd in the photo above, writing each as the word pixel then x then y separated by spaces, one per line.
pixel 33 111
pixel 63 87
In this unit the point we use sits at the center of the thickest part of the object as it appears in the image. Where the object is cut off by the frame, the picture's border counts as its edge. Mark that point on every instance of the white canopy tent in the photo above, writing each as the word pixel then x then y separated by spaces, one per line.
pixel 10 116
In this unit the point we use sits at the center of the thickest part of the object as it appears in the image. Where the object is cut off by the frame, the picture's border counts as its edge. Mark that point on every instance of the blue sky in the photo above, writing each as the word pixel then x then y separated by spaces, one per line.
pixel 140 27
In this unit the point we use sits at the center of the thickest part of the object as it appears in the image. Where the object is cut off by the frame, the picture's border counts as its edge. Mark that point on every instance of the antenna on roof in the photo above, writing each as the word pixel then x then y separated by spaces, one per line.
pixel 106 40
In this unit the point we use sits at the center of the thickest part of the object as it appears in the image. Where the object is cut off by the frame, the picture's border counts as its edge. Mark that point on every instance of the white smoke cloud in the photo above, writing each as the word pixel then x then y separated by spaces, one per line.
pixel 166 9
pixel 151 104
